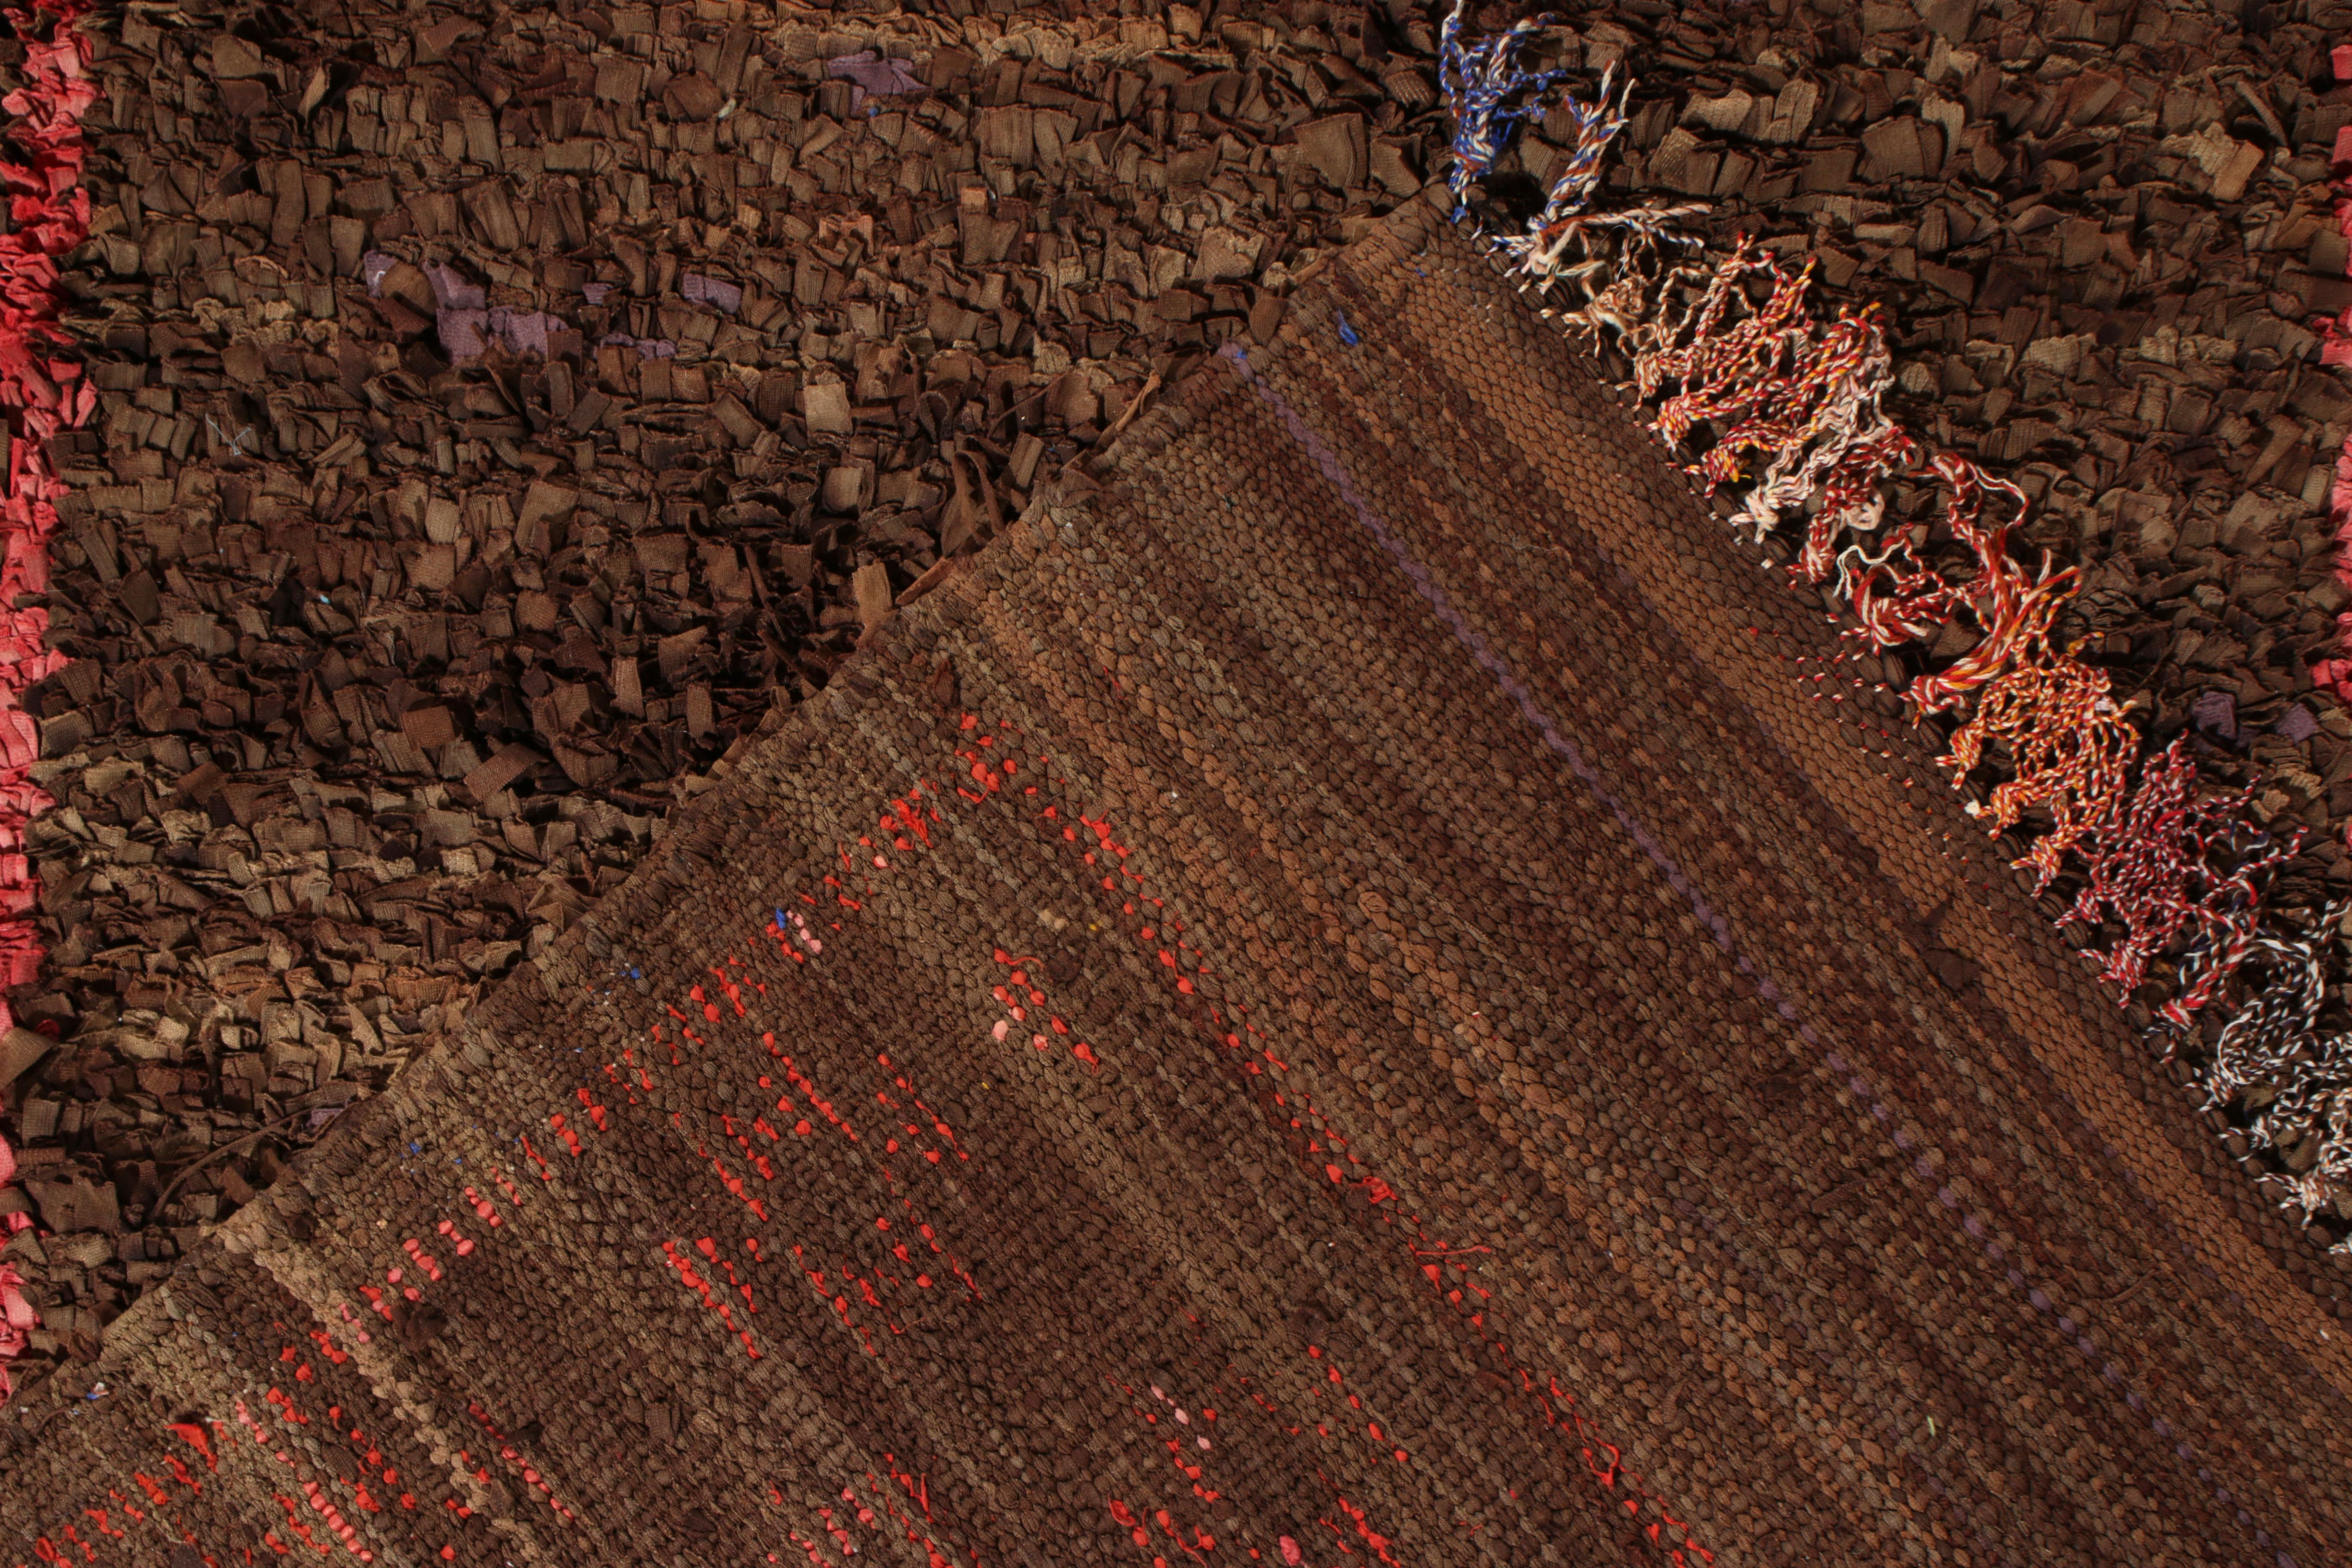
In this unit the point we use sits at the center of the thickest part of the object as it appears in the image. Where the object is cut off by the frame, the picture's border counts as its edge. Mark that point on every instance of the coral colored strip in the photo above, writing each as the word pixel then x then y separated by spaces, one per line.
pixel 44 396
pixel 2336 349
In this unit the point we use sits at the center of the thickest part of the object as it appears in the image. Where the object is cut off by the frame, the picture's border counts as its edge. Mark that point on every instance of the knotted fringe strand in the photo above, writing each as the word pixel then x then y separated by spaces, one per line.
pixel 1736 349
pixel 45 392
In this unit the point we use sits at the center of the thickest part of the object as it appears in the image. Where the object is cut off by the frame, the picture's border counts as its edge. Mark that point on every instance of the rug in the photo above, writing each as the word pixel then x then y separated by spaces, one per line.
pixel 1343 996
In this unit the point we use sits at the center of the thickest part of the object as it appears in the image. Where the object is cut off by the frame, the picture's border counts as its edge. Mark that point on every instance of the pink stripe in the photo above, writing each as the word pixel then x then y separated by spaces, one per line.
pixel 47 395
pixel 2337 349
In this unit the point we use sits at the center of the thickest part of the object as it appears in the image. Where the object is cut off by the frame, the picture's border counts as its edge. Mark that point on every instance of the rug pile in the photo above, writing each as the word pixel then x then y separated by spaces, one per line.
pixel 1331 1001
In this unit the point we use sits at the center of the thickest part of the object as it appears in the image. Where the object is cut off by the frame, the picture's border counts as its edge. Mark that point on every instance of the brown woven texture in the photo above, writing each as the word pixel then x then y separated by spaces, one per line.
pixel 1477 1038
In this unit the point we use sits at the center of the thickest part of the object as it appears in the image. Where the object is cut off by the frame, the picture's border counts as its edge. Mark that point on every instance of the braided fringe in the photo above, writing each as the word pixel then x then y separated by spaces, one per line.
pixel 1735 351
pixel 2297 1081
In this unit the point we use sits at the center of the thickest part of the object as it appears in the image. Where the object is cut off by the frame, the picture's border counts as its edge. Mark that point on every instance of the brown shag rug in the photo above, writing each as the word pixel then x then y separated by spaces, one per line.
pixel 1347 996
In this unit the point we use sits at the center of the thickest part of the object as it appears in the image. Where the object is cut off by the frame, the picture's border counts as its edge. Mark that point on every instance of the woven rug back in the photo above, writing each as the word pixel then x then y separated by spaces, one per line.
pixel 1346 996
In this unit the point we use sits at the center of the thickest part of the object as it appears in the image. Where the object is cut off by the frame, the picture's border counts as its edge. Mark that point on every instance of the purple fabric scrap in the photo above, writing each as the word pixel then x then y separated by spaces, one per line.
pixel 467 332
pixel 450 288
pixel 464 333
pixel 728 297
pixel 468 323
pixel 525 332
pixel 2295 724
pixel 2216 713
pixel 595 292
pixel 647 348
pixel 871 73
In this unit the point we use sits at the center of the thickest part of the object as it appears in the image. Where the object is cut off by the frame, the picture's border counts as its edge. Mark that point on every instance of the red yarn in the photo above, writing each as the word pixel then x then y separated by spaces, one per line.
pixel 2152 871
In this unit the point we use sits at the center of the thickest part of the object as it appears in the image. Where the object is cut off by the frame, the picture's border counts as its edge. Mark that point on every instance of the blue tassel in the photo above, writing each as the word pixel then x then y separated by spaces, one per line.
pixel 1490 94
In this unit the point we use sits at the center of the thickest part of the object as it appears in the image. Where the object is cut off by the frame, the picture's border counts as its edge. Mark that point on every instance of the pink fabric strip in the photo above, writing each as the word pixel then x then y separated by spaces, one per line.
pixel 2336 349
pixel 45 395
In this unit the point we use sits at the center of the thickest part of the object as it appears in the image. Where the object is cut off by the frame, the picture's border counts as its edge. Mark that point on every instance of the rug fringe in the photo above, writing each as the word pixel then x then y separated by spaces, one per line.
pixel 1791 406
pixel 2273 1043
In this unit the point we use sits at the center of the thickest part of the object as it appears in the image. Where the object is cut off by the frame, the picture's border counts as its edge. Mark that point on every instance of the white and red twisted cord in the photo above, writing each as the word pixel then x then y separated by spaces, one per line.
pixel 2152 870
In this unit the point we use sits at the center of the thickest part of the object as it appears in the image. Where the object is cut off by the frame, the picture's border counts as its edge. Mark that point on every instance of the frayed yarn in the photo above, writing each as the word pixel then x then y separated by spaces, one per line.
pixel 2154 873
pixel 2295 1079
pixel 1789 410
pixel 2070 752
pixel 1492 93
